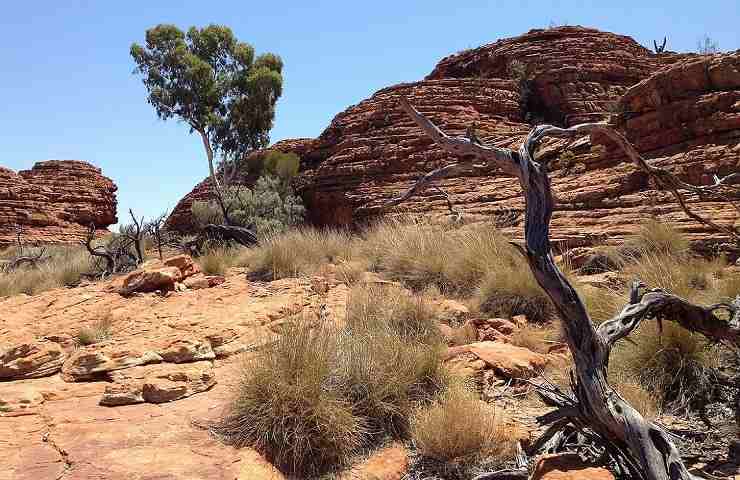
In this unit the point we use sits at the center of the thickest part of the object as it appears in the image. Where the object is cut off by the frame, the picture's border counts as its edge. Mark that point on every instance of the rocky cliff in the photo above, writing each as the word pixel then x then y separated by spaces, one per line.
pixel 55 201
pixel 566 75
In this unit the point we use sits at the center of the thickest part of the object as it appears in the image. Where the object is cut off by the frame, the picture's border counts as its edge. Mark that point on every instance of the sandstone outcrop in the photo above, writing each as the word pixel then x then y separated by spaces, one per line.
pixel 55 202
pixel 372 152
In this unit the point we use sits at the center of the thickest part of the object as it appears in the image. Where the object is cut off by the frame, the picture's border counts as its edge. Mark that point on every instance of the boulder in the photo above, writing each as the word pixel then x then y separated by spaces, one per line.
pixel 185 264
pixel 150 278
pixel 568 467
pixel 31 359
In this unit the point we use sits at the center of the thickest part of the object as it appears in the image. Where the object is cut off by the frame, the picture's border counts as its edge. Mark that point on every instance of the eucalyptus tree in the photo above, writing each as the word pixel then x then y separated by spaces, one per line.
pixel 209 80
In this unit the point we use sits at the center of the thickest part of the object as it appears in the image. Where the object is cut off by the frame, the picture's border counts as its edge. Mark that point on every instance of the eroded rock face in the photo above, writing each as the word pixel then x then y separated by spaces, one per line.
pixel 30 359
pixel 679 110
pixel 55 201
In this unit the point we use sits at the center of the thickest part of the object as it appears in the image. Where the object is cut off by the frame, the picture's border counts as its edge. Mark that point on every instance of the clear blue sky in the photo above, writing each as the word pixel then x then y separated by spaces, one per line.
pixel 67 92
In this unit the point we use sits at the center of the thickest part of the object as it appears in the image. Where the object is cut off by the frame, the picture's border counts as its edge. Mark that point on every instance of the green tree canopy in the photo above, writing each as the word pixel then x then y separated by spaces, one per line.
pixel 214 83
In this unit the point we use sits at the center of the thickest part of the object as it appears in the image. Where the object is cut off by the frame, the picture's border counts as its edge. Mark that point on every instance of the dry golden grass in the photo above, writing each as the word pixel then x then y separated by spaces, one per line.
pixel 287 407
pixel 636 395
pixel 658 238
pixel 65 266
pixel 423 255
pixel 458 426
pixel 314 397
pixel 216 261
pixel 537 338
pixel 463 335
pixel 674 366
pixel 98 332
pixel 298 252
pixel 601 303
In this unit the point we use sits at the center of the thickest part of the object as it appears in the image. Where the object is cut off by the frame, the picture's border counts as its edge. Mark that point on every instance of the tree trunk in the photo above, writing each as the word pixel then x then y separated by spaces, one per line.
pixel 214 178
pixel 647 449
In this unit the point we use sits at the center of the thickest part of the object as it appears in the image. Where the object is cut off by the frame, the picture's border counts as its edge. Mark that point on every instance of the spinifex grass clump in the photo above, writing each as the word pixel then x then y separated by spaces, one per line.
pixel 98 332
pixel 458 427
pixel 319 393
pixel 58 267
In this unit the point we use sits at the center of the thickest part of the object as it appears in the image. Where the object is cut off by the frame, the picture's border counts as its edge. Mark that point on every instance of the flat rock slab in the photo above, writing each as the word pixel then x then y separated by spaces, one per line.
pixel 505 359
pixel 158 383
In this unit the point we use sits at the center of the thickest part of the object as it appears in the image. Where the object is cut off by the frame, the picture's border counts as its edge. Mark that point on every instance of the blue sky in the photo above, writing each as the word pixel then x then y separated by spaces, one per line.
pixel 67 92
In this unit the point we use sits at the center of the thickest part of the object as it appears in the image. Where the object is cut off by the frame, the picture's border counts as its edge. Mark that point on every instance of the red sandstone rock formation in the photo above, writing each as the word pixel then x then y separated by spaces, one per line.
pixel 372 152
pixel 55 201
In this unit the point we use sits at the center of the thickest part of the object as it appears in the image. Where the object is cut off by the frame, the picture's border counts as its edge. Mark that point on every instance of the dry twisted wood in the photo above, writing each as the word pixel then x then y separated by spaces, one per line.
pixel 646 450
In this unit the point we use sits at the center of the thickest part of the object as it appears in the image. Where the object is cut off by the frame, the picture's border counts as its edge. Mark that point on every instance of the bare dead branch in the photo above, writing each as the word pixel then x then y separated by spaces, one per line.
pixel 640 448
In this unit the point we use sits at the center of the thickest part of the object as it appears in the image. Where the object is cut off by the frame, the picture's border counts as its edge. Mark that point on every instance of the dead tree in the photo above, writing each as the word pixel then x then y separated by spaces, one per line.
pixel 100 251
pixel 157 230
pixel 24 255
pixel 134 235
pixel 660 49
pixel 641 449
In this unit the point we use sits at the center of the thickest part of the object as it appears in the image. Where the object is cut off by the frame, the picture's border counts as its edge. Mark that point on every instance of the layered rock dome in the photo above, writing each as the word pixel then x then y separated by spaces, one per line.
pixel 55 202
pixel 676 114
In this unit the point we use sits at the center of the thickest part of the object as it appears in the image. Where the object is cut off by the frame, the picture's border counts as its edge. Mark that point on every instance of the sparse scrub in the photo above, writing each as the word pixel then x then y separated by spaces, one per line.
pixel 298 252
pixel 288 405
pixel 98 332
pixel 217 260
pixel 318 394
pixel 537 338
pixel 674 365
pixel 65 265
pixel 459 427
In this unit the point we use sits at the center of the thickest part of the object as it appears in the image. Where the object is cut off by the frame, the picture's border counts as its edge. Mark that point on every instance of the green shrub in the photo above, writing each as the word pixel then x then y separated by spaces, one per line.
pixel 270 206
pixel 217 260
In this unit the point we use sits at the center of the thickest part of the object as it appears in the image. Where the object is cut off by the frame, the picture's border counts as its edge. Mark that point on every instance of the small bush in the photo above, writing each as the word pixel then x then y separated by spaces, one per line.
pixel 289 408
pixel 270 206
pixel 459 426
pixel 675 366
pixel 315 396
pixel 99 331
pixel 216 261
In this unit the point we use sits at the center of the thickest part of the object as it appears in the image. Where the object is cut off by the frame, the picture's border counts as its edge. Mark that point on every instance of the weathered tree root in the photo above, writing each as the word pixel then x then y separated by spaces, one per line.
pixel 641 448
